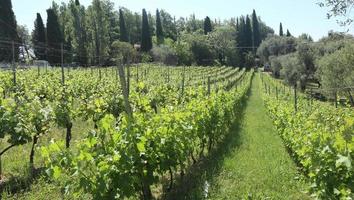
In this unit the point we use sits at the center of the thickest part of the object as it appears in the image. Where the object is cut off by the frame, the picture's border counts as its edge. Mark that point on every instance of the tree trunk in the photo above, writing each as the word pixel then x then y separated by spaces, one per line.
pixel 146 190
pixel 68 134
pixel 171 179
pixel 194 160
pixel 210 144
pixel 201 153
pixel 351 99
pixel 34 143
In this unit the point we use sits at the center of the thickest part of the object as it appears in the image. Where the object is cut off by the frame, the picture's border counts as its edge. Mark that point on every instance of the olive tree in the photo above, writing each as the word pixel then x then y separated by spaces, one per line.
pixel 336 72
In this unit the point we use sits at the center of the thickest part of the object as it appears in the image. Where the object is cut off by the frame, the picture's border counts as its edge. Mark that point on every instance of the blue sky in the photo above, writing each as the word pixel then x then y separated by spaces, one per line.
pixel 299 16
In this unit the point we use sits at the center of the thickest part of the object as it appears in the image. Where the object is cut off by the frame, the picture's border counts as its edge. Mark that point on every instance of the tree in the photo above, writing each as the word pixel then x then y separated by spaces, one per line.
pixel 265 31
pixel 288 34
pixel 122 27
pixel 98 33
pixel 165 54
pixel 133 25
pixel 248 33
pixel 123 52
pixel 339 8
pixel 79 36
pixel 54 38
pixel 77 2
pixel 305 37
pixel 256 34
pixel 241 40
pixel 336 70
pixel 281 33
pixel 207 26
pixel 8 31
pixel 223 42
pixel 201 48
pixel 291 69
pixel 146 40
pixel 276 46
pixel 169 25
pixel 39 38
pixel 159 30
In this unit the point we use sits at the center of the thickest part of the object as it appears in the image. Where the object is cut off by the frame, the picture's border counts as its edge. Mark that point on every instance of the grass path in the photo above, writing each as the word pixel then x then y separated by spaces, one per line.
pixel 259 167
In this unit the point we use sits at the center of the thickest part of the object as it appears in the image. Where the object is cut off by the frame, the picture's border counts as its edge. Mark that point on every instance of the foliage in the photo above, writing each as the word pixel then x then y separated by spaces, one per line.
pixel 276 46
pixel 124 157
pixel 124 51
pixel 54 38
pixel 201 49
pixel 276 65
pixel 159 29
pixel 99 33
pixel 320 138
pixel 281 32
pixel 184 55
pixel 207 26
pixel 169 25
pixel 146 41
pixel 288 34
pixel 222 40
pixel 124 37
pixel 339 8
pixel 256 33
pixel 165 54
pixel 79 35
pixel 8 31
pixel 336 71
pixel 39 38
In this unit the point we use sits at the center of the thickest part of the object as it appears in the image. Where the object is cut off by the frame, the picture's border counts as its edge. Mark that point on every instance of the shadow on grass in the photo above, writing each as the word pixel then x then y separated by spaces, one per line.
pixel 14 184
pixel 195 183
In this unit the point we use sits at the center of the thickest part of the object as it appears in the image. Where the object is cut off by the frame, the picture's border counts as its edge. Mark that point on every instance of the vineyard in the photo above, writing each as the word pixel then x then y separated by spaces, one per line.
pixel 135 131
pixel 173 117
pixel 319 137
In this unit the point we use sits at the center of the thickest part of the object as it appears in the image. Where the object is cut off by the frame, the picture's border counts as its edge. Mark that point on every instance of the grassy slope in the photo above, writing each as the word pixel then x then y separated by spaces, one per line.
pixel 260 167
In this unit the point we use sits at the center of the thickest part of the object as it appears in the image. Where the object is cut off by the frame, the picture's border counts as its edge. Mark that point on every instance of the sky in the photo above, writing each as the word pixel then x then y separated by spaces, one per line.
pixel 299 16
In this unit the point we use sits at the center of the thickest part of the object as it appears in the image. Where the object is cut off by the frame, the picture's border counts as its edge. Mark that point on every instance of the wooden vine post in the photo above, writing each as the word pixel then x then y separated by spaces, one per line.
pixel 123 83
pixel 336 99
pixel 137 73
pixel 208 85
pixel 128 78
pixel 13 63
pixel 183 80
pixel 62 66
pixel 295 97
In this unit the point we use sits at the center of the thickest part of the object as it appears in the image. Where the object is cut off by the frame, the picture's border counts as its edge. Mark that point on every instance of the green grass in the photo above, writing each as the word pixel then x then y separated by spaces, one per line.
pixel 259 168
pixel 252 163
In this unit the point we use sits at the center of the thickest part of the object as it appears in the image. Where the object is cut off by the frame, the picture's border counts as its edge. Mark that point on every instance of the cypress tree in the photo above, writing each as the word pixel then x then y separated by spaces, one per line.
pixel 54 38
pixel 256 40
pixel 288 34
pixel 248 33
pixel 39 39
pixel 122 26
pixel 207 26
pixel 8 31
pixel 281 33
pixel 146 42
pixel 159 30
pixel 240 40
